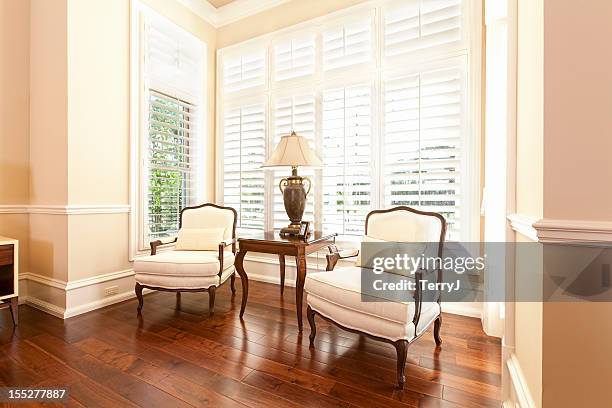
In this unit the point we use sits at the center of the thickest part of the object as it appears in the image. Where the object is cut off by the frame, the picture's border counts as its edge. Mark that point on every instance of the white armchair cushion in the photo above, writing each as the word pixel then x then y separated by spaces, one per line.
pixel 209 217
pixel 337 295
pixel 183 263
pixel 199 239
pixel 366 238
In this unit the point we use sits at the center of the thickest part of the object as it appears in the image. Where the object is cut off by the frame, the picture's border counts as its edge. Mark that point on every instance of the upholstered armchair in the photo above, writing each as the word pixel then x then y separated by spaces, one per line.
pixel 336 294
pixel 202 258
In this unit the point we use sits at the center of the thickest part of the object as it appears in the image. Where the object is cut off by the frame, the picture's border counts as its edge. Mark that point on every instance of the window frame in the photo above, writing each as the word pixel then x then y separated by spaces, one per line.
pixel 470 48
pixel 141 84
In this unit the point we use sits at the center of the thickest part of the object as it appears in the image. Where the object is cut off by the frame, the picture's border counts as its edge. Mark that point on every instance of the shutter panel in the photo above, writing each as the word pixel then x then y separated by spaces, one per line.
pixel 422 145
pixel 421 25
pixel 346 156
pixel 348 44
pixel 244 72
pixel 173 56
pixel 170 153
pixel 294 59
pixel 298 114
pixel 243 155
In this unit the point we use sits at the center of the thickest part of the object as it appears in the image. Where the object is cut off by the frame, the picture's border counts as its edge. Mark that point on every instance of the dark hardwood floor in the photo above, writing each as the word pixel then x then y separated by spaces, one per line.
pixel 175 357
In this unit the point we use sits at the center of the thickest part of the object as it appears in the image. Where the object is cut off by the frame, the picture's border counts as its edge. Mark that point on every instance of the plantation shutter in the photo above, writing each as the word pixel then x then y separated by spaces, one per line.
pixel 243 155
pixel 244 72
pixel 293 114
pixel 422 24
pixel 423 119
pixel 171 178
pixel 294 58
pixel 347 174
pixel 347 44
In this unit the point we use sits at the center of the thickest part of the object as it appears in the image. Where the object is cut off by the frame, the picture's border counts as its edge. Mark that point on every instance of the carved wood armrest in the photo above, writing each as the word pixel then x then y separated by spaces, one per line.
pixel 157 243
pixel 334 256
pixel 222 245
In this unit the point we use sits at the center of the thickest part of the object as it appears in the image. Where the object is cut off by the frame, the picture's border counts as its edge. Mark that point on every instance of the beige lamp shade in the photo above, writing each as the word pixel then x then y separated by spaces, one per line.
pixel 293 150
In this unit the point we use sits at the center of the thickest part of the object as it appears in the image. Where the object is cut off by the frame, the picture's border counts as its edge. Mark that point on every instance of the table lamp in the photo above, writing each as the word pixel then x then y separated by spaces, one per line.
pixel 293 150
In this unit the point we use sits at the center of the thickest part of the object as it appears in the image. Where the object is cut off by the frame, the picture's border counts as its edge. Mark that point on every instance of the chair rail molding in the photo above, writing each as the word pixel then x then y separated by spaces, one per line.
pixel 561 231
pixel 70 209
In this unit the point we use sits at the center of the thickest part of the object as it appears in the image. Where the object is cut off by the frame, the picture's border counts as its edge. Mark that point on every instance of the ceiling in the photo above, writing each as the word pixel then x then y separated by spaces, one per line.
pixel 219 3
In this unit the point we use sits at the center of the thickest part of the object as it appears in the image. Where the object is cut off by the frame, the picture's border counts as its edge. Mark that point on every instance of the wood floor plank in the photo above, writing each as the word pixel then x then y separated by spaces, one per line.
pixel 175 354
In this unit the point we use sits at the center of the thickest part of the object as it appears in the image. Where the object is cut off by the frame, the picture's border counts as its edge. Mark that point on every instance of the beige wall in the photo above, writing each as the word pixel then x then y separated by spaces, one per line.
pixel 577 366
pixel 285 15
pixel 15 119
pixel 529 183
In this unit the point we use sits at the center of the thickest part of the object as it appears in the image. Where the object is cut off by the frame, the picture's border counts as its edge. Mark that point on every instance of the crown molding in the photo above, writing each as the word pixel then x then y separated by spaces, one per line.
pixel 64 209
pixel 230 13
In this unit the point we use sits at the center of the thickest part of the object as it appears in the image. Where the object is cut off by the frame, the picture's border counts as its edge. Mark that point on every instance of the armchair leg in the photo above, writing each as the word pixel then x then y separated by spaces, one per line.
pixel 138 290
pixel 401 347
pixel 233 283
pixel 15 310
pixel 211 300
pixel 310 314
pixel 436 331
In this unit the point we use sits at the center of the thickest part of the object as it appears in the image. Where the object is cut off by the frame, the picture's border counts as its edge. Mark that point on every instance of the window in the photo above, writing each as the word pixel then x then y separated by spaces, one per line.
pixel 169 139
pixel 382 92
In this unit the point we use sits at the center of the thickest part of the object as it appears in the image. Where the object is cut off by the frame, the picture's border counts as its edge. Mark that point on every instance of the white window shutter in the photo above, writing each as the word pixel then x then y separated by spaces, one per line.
pixel 296 114
pixel 423 119
pixel 294 58
pixel 243 155
pixel 347 44
pixel 422 25
pixel 244 71
pixel 347 178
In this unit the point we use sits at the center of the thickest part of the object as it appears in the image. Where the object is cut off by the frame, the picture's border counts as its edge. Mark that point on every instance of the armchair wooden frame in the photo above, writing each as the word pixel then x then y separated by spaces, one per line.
pixel 401 346
pixel 211 289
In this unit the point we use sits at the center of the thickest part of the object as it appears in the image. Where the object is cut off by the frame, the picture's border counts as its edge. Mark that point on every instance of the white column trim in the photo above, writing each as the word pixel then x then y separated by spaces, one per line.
pixel 523 224
pixel 519 384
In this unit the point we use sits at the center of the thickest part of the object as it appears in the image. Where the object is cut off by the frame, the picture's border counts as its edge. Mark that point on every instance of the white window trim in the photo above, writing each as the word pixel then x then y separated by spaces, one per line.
pixel 138 126
pixel 471 168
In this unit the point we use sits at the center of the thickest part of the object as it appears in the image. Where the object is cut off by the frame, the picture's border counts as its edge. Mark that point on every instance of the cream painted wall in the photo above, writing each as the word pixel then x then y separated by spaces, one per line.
pixel 577 173
pixel 529 182
pixel 15 120
pixel 285 15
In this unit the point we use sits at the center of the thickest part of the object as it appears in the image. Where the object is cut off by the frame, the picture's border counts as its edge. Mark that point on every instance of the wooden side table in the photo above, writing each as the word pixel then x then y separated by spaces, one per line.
pixel 9 276
pixel 271 243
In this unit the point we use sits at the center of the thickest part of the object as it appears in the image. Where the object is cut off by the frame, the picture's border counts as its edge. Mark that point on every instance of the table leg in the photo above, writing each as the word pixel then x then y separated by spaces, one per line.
pixel 281 261
pixel 300 261
pixel 243 278
pixel 15 310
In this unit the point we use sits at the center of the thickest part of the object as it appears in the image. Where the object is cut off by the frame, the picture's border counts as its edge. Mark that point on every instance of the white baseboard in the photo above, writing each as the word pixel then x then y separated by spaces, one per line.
pixel 67 299
pixel 519 385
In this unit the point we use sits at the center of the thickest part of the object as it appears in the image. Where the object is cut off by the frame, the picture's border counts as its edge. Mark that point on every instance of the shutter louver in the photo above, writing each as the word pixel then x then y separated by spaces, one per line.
pixel 170 161
pixel 243 155
pixel 244 72
pixel 293 114
pixel 294 59
pixel 422 25
pixel 347 174
pixel 347 45
pixel 173 56
pixel 422 143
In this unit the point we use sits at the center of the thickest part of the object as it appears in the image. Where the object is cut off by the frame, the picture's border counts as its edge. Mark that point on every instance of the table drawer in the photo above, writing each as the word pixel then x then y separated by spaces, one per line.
pixel 6 254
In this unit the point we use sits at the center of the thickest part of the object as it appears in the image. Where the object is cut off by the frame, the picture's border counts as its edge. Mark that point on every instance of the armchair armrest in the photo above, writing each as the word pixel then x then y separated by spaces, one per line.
pixel 157 243
pixel 334 256
pixel 222 245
